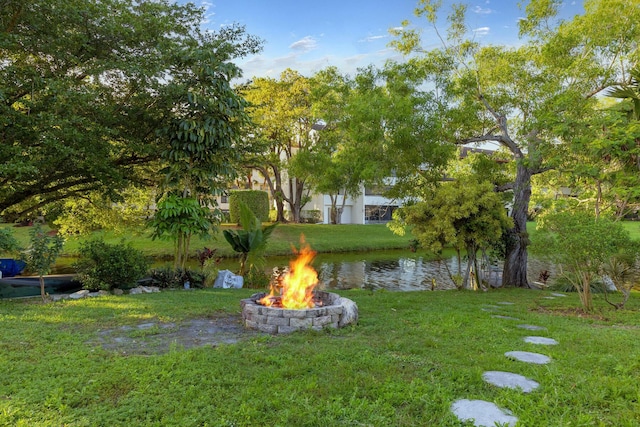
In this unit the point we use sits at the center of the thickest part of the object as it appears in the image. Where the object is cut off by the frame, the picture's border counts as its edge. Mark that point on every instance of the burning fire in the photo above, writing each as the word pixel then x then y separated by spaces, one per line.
pixel 297 284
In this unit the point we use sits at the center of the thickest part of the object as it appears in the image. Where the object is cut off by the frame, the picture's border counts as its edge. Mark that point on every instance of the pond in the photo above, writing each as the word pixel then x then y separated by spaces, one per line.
pixel 398 270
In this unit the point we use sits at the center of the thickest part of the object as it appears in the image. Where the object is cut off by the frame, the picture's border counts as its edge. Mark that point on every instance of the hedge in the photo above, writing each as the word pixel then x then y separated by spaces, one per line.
pixel 258 202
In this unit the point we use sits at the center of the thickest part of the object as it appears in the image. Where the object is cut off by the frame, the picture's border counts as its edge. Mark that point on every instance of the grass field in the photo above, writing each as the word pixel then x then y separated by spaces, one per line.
pixel 322 238
pixel 409 358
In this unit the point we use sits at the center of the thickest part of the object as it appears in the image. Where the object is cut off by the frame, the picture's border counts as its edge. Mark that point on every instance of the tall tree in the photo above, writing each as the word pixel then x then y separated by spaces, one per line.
pixel 281 111
pixel 84 86
pixel 529 98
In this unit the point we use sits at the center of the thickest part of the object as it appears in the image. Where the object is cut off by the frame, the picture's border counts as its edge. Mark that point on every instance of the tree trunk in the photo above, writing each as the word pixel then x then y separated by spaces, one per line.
pixel 514 272
pixel 333 210
pixel 276 191
pixel 43 294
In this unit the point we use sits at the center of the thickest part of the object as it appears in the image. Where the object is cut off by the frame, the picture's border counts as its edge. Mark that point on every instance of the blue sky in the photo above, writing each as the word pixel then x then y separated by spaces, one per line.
pixel 307 36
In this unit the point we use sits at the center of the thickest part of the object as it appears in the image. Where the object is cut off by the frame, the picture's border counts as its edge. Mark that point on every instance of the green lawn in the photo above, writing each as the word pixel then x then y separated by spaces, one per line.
pixel 409 358
pixel 321 237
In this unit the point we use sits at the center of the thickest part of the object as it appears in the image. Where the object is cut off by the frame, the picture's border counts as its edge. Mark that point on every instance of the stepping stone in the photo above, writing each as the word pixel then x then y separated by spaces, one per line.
pixel 532 327
pixel 489 309
pixel 505 303
pixel 510 380
pixel 540 340
pixel 555 294
pixel 482 413
pixel 549 297
pixel 528 357
pixel 498 316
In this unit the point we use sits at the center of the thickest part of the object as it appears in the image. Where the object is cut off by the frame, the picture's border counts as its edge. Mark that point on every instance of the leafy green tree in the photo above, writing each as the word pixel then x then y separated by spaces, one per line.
pixel 336 165
pixel 530 99
pixel 85 86
pixel 179 218
pixel 583 246
pixel 95 211
pixel 281 111
pixel 250 241
pixel 43 251
pixel 8 242
pixel 464 214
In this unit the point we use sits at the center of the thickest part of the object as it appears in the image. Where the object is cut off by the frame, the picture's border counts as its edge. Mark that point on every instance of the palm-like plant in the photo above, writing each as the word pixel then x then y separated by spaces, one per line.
pixel 630 91
pixel 251 241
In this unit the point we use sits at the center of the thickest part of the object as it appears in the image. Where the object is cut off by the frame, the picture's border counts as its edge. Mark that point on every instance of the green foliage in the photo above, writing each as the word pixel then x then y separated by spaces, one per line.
pixel 84 89
pixel 175 278
pixel 583 245
pixel 8 242
pixel 107 266
pixel 257 201
pixel 251 241
pixel 78 216
pixel 179 218
pixel 43 251
pixel 463 214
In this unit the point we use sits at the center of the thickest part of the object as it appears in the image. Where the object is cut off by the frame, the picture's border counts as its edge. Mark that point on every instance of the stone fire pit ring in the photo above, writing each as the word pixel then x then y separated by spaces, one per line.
pixel 334 312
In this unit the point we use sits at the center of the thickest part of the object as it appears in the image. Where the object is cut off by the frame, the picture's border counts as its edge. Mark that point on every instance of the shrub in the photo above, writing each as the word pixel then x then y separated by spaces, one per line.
pixel 106 266
pixel 175 278
pixel 257 279
pixel 258 202
pixel 310 216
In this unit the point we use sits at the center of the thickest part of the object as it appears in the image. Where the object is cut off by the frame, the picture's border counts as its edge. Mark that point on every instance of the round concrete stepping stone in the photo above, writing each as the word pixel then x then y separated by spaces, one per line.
pixel 482 413
pixel 532 327
pixel 505 303
pixel 555 294
pixel 549 297
pixel 499 316
pixel 510 380
pixel 528 357
pixel 540 340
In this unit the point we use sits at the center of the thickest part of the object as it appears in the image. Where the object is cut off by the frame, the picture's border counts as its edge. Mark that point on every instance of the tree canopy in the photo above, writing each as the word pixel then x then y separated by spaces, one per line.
pixel 533 100
pixel 85 86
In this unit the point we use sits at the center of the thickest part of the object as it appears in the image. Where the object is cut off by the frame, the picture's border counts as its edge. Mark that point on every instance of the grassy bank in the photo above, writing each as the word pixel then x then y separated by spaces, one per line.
pixel 409 358
pixel 321 237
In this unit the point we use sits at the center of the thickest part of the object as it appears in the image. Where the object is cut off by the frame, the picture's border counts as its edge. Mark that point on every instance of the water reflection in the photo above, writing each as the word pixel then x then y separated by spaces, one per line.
pixel 390 270
pixel 397 274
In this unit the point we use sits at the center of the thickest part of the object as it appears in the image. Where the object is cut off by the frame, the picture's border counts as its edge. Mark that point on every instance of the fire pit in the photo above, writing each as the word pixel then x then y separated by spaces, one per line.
pixel 331 311
pixel 293 304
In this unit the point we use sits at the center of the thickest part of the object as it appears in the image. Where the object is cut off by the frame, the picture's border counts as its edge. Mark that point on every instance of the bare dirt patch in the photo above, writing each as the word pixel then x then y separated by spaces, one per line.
pixel 161 337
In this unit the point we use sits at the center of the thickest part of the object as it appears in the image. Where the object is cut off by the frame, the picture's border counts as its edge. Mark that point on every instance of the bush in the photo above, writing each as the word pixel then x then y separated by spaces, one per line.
pixel 258 202
pixel 106 266
pixel 311 216
pixel 175 278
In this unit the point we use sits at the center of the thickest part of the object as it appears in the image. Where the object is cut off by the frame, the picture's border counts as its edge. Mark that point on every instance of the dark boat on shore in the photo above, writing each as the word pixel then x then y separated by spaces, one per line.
pixel 29 286
pixel 10 267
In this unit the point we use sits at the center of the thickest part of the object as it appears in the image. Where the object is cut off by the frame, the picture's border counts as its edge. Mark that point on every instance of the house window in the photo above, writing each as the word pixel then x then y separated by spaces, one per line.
pixel 374 214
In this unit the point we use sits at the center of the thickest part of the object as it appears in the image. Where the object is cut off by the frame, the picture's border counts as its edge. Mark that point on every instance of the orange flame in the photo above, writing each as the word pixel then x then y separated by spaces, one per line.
pixel 298 283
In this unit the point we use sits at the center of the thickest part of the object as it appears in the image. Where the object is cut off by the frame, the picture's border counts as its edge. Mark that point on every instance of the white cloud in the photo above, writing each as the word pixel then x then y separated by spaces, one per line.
pixel 482 31
pixel 304 45
pixel 481 11
pixel 369 39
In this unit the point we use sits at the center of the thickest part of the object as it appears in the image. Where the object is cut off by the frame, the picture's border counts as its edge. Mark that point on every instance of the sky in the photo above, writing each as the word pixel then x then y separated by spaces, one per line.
pixel 308 36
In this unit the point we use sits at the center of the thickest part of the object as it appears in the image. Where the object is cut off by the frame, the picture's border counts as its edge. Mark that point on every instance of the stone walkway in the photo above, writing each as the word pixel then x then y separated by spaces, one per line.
pixel 488 414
